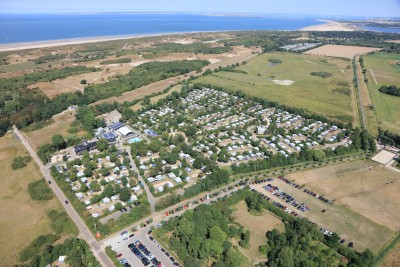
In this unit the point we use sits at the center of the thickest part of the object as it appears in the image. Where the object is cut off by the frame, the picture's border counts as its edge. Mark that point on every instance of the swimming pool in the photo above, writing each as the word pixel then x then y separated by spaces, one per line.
pixel 134 140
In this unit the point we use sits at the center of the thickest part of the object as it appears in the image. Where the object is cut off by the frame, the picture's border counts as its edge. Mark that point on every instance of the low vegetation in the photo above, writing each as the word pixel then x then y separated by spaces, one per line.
pixel 20 162
pixel 116 61
pixel 39 190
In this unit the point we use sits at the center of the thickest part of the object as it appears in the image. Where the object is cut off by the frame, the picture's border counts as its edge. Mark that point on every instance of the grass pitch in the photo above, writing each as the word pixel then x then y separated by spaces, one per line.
pixel 327 96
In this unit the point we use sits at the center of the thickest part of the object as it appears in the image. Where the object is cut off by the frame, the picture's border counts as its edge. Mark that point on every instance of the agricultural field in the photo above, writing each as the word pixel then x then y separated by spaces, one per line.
pixel 382 69
pixel 344 51
pixel 22 219
pixel 291 83
pixel 363 190
pixel 60 124
pixel 258 225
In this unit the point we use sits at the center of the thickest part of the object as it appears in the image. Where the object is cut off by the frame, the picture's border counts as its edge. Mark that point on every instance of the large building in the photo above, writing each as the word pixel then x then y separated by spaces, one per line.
pixel 85 146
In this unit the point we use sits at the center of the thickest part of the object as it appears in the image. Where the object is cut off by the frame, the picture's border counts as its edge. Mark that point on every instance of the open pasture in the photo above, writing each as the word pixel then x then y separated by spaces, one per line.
pixel 383 69
pixel 365 187
pixel 345 51
pixel 327 96
pixel 22 219
pixel 339 218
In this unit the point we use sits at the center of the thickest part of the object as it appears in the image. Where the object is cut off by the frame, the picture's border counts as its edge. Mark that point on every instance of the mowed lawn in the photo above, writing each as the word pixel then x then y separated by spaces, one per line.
pixel 60 125
pixel 386 72
pixel 258 225
pixel 22 219
pixel 327 96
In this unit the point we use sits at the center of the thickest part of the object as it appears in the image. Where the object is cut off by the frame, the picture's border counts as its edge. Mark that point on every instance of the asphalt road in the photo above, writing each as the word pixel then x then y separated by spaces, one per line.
pixel 150 197
pixel 85 233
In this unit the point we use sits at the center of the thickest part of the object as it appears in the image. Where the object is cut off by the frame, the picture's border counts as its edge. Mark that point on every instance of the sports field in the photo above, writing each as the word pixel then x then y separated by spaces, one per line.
pixel 292 84
pixel 22 219
pixel 384 70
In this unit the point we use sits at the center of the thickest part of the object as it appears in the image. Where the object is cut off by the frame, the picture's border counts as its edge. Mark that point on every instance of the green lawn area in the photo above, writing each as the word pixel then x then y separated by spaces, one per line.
pixel 326 96
pixel 386 72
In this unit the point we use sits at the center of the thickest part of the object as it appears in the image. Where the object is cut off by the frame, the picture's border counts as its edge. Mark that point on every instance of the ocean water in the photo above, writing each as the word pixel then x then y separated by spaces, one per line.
pixel 15 28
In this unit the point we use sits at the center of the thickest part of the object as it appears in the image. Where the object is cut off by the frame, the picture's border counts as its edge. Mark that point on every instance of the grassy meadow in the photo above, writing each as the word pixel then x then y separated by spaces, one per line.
pixel 386 72
pixel 22 219
pixel 327 96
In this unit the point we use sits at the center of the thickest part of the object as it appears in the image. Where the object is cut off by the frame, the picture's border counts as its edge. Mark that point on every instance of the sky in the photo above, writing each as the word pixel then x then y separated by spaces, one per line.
pixel 371 8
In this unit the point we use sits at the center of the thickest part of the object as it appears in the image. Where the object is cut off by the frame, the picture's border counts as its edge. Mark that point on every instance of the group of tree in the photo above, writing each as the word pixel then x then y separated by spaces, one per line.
pixel 58 142
pixel 390 90
pixel 201 237
pixel 389 138
pixel 42 252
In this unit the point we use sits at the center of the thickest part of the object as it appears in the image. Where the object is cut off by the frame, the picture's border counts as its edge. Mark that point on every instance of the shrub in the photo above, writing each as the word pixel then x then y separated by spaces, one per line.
pixel 20 162
pixel 321 74
pixel 39 191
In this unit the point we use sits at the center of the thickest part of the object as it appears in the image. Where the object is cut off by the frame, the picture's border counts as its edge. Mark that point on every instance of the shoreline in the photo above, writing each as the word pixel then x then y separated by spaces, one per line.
pixel 331 25
pixel 83 40
pixel 328 26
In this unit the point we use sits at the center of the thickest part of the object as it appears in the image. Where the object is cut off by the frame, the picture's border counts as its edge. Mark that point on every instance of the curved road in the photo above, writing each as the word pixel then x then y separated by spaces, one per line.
pixel 84 232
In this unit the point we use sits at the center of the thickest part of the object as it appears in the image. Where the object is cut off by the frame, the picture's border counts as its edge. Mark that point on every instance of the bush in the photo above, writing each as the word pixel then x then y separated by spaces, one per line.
pixel 39 191
pixel 20 162
pixel 83 81
pixel 321 74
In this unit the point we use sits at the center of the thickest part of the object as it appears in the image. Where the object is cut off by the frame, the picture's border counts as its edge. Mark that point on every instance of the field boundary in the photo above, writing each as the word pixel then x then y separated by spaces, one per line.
pixel 385 251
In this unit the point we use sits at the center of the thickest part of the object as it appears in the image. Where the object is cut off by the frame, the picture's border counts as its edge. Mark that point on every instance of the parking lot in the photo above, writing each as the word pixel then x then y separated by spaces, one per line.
pixel 139 250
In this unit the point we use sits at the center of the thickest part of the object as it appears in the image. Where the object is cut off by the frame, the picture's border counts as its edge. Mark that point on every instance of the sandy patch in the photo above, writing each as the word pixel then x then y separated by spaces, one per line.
pixel 183 41
pixel 311 62
pixel 135 64
pixel 283 82
pixel 331 26
pixel 214 60
pixel 384 157
pixel 346 51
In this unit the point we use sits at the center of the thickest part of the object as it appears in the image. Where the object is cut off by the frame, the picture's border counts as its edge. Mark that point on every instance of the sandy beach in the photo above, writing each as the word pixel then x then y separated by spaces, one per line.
pixel 72 41
pixel 331 25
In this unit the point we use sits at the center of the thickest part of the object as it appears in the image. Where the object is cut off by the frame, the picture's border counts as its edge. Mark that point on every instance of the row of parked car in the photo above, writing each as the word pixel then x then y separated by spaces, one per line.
pixel 311 193
pixel 276 203
pixel 274 190
pixel 145 256
pixel 263 181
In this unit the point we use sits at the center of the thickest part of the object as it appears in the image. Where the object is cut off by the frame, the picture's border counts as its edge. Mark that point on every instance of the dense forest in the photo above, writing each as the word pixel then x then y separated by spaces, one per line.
pixel 390 90
pixel 202 237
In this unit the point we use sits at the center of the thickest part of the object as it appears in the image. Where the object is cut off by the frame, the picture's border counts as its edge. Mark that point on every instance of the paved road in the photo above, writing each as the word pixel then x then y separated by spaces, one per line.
pixel 150 197
pixel 85 233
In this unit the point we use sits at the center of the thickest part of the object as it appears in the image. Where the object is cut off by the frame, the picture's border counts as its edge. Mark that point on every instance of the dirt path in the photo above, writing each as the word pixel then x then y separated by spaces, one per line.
pixel 373 76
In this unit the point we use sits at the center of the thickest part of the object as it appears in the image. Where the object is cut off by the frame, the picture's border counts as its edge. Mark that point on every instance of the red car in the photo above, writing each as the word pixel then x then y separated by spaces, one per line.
pixel 119 255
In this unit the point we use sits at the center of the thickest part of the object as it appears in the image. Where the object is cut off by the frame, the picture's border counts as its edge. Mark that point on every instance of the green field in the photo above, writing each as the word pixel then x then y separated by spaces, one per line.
pixel 386 72
pixel 326 96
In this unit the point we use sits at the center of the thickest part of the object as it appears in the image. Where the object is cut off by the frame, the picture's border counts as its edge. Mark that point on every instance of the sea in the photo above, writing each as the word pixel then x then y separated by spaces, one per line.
pixel 16 28
pixel 19 28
